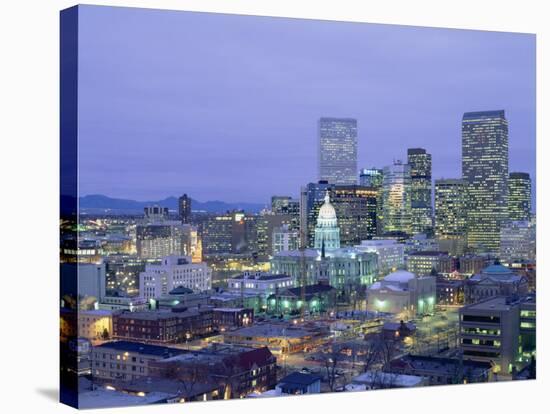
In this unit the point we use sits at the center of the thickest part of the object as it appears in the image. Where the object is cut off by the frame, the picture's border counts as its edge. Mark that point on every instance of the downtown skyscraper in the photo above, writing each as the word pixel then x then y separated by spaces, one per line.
pixel 485 173
pixel 396 198
pixel 420 163
pixel 184 208
pixel 519 196
pixel 338 150
pixel 450 215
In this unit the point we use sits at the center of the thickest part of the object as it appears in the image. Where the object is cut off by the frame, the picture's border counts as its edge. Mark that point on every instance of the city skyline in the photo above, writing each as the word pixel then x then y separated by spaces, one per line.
pixel 400 100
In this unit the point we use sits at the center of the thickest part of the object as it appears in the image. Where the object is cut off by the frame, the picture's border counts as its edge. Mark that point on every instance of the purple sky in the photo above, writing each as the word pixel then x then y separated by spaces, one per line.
pixel 225 107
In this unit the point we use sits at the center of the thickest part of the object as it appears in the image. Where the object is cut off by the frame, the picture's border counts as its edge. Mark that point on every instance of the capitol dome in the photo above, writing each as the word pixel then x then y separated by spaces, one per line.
pixel 327 232
pixel 327 214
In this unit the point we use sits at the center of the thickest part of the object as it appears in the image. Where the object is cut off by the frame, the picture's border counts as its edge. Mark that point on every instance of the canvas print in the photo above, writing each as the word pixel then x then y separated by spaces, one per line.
pixel 257 207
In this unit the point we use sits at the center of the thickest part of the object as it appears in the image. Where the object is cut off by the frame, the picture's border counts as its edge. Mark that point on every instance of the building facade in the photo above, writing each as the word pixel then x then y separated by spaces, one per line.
pixel 494 280
pixel 172 272
pixel 184 209
pixel 420 163
pixel 396 199
pixel 450 215
pixel 518 241
pixel 403 291
pixel 485 172
pixel 519 196
pixel 390 254
pixel 126 361
pixel 338 150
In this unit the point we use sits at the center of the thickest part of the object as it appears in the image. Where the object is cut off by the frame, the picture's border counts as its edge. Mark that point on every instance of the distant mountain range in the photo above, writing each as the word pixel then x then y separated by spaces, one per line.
pixel 97 204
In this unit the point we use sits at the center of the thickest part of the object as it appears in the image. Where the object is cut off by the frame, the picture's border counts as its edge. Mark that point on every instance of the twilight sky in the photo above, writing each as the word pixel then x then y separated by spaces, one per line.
pixel 225 107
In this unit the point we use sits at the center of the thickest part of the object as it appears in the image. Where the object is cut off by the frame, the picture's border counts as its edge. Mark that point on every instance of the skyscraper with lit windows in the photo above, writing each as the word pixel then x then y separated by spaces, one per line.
pixel 450 215
pixel 420 163
pixel 485 172
pixel 184 208
pixel 338 150
pixel 396 198
pixel 519 196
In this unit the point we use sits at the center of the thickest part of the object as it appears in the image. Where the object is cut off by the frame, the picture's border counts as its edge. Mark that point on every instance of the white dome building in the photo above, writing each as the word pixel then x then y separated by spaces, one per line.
pixel 327 232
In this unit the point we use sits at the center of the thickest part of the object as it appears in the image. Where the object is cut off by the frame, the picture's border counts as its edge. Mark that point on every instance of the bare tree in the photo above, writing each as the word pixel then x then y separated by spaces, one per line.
pixel 331 357
pixel 370 356
pixel 188 374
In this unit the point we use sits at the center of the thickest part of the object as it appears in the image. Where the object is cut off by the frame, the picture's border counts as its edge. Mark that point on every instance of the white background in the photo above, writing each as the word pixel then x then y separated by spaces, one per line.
pixel 29 126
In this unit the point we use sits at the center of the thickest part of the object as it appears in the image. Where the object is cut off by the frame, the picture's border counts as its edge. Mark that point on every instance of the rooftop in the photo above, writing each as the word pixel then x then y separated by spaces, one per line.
pixel 299 378
pixel 497 303
pixel 140 348
pixel 388 379
pixel 270 330
pixel 400 276
pixel 310 290
pixel 429 363
pixel 261 277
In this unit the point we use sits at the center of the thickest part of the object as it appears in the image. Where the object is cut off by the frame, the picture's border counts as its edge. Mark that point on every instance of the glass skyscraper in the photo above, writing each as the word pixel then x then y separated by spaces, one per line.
pixel 371 177
pixel 485 172
pixel 450 208
pixel 519 196
pixel 338 150
pixel 396 198
pixel 420 163
pixel 450 215
pixel 374 178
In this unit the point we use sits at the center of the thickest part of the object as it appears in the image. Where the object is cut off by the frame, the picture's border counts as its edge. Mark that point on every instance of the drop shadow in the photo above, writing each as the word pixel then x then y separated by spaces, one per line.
pixel 49 393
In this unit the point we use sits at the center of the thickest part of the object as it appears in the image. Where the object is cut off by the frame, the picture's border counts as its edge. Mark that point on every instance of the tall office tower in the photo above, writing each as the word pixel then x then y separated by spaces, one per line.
pixel 371 177
pixel 450 215
pixel 184 208
pixel 374 177
pixel 225 233
pixel 517 241
pixel 485 172
pixel 396 198
pixel 163 238
pixel 286 205
pixel 356 208
pixel 338 150
pixel 519 196
pixel 420 163
pixel 264 229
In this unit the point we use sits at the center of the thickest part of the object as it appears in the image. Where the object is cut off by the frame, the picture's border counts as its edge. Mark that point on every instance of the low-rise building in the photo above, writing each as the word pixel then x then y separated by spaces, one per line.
pixel 125 361
pixel 374 380
pixel 494 280
pixel 390 254
pixel 95 324
pixel 238 370
pixel 163 327
pixel 227 318
pixel 174 271
pixel 180 296
pixel 450 292
pixel 259 283
pixel 316 299
pixel 492 331
pixel 424 263
pixel 403 291
pixel 280 338
pixel 442 371
pixel 299 383
pixel 123 303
